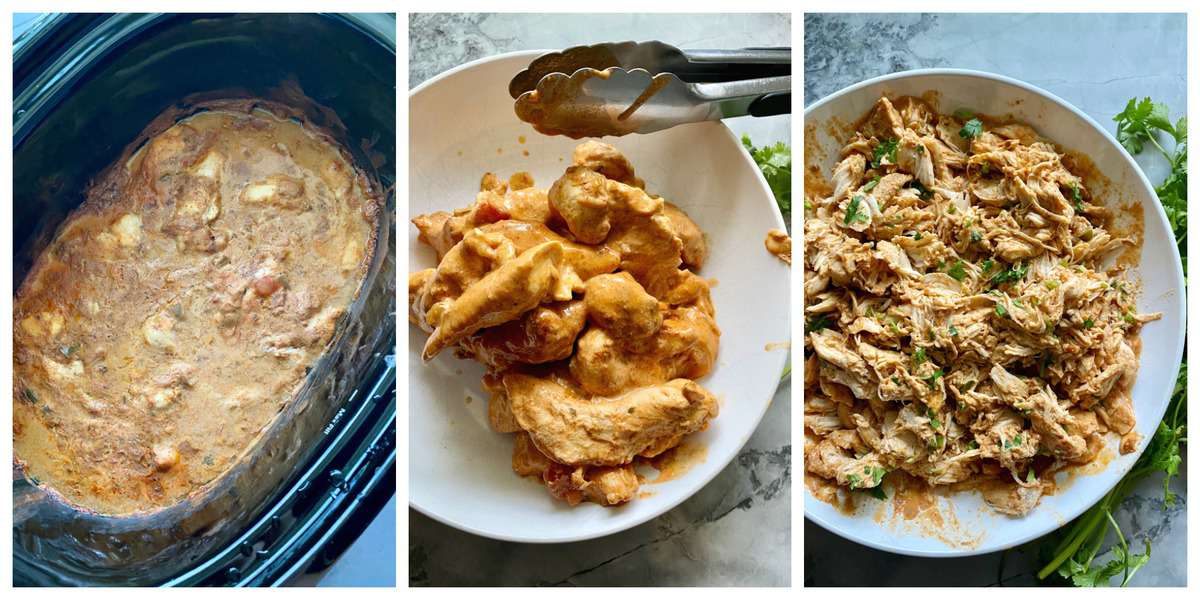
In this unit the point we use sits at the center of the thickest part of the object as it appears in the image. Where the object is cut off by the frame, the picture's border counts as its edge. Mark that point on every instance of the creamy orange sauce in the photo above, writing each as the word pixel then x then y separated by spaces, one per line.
pixel 677 461
pixel 179 309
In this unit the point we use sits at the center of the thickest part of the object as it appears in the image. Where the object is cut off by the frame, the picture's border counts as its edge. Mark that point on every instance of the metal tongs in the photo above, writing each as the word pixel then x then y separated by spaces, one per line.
pixel 642 87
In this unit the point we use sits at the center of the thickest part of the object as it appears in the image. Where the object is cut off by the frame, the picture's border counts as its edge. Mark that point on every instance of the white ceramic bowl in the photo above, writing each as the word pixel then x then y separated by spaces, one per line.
pixel 976 529
pixel 462 124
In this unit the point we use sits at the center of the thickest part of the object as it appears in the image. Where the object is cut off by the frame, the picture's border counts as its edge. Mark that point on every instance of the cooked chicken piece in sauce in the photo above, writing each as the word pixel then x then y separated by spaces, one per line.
pixel 576 430
pixel 966 310
pixel 545 334
pixel 517 286
pixel 779 243
pixel 583 305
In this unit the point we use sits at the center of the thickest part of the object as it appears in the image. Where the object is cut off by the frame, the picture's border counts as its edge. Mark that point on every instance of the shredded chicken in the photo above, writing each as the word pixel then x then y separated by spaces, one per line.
pixel 582 303
pixel 966 319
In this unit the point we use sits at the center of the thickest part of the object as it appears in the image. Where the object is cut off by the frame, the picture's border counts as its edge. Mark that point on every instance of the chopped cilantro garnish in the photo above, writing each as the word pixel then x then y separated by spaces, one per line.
pixel 1014 273
pixel 971 129
pixel 933 420
pixel 818 323
pixel 932 380
pixel 854 213
pixel 923 192
pixel 886 150
pixel 957 271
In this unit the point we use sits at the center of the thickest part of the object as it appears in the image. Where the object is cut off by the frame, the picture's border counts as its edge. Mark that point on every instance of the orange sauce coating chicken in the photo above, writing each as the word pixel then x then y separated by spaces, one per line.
pixel 582 303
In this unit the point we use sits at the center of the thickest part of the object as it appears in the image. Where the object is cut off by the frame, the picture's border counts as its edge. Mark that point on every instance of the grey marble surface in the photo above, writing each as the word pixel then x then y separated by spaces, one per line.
pixel 735 531
pixel 1097 63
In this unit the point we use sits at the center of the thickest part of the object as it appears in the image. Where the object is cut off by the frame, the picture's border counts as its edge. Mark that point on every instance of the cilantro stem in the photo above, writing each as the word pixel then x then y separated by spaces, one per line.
pixel 1124 545
pixel 1166 155
pixel 1074 542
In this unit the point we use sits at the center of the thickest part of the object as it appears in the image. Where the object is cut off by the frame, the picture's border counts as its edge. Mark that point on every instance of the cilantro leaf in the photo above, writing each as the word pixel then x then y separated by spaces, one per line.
pixel 775 162
pixel 885 150
pixel 971 129
pixel 818 323
pixel 958 272
pixel 1012 274
pixel 932 380
pixel 854 214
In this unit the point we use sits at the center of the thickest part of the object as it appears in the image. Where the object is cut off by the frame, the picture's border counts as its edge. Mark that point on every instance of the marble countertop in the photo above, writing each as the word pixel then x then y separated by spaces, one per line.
pixel 1097 63
pixel 735 531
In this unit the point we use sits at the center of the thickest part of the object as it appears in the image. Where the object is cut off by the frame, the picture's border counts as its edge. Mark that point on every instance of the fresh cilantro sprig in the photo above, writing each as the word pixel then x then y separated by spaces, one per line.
pixel 1138 123
pixel 775 162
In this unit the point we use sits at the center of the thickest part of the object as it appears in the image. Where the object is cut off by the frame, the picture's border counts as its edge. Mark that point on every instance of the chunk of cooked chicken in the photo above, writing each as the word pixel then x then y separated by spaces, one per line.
pixel 963 315
pixel 582 304
pixel 685 346
pixel 619 304
pixel 576 430
pixel 606 486
pixel 500 296
pixel 779 243
pixel 695 247
pixel 495 202
pixel 466 263
pixel 580 262
pixel 607 161
pixel 545 334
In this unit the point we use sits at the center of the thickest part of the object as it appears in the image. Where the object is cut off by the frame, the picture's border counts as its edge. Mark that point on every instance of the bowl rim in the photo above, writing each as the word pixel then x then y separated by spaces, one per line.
pixel 551 537
pixel 1179 305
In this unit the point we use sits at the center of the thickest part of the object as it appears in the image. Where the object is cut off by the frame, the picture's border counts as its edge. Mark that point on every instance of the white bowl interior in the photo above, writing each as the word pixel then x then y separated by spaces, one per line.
pixel 462 125
pixel 975 528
